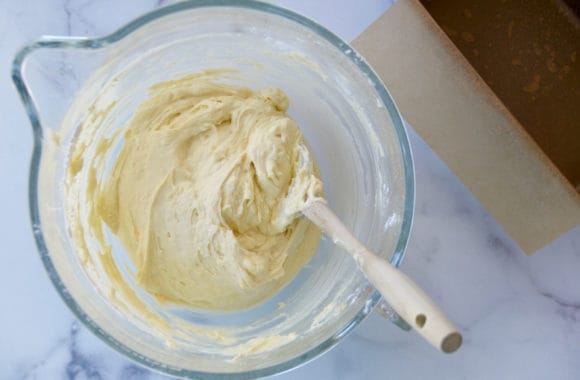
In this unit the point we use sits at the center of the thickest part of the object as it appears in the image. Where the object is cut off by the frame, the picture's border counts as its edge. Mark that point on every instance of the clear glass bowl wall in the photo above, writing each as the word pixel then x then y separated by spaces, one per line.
pixel 348 118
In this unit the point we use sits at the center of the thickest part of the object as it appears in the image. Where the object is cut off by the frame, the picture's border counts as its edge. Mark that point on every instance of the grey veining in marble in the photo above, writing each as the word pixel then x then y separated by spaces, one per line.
pixel 520 315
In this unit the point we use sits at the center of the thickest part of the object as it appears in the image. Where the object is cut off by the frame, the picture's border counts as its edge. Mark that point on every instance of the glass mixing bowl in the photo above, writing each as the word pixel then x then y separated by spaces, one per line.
pixel 345 112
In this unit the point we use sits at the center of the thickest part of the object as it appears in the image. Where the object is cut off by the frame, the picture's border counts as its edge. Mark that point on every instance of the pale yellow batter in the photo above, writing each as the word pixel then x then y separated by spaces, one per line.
pixel 206 194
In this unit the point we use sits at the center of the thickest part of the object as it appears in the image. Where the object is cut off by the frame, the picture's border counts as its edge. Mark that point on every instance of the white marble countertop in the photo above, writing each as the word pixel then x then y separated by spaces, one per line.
pixel 520 315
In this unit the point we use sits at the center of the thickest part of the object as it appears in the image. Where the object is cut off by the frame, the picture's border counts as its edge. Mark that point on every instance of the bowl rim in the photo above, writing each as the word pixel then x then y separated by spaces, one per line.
pixel 100 42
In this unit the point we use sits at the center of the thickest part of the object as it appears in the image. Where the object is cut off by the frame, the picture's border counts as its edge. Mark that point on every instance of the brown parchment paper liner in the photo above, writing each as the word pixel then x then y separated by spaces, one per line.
pixel 454 111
